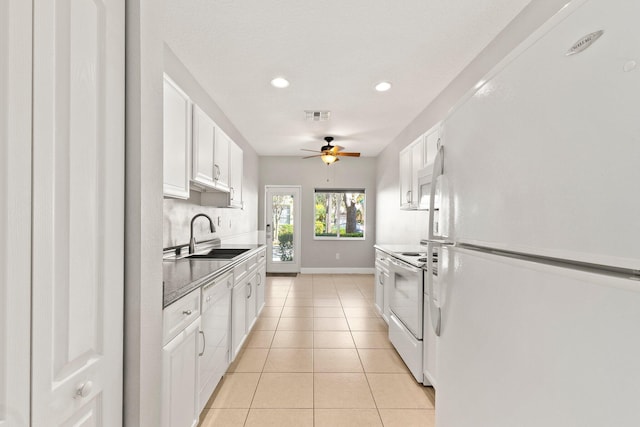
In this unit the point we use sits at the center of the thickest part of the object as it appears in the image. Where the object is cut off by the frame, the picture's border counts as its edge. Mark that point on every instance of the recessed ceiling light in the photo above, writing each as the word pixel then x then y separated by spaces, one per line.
pixel 383 86
pixel 280 82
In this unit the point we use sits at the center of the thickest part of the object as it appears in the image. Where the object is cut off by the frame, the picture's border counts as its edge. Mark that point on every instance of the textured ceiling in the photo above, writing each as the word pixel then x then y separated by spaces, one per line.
pixel 333 52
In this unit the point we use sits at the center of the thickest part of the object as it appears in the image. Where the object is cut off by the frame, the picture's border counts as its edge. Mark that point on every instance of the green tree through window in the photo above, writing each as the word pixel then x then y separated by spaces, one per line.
pixel 339 213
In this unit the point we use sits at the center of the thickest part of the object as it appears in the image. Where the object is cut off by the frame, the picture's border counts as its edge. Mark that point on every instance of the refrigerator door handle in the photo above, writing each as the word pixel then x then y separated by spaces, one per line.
pixel 438 170
pixel 434 310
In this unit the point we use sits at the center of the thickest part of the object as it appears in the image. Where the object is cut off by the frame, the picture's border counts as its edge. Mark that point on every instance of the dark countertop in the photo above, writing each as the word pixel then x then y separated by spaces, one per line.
pixel 182 275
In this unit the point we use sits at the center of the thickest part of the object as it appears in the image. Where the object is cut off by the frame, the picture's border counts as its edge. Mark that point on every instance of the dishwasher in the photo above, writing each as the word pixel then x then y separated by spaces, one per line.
pixel 214 355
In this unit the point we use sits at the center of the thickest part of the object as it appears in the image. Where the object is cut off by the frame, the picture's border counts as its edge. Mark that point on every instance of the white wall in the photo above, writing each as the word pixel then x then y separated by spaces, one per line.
pixel 143 214
pixel 311 174
pixel 413 225
pixel 15 211
pixel 177 213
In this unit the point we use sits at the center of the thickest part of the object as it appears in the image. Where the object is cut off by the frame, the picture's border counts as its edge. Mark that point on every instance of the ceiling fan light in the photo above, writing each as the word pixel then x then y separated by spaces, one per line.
pixel 383 86
pixel 280 82
pixel 328 158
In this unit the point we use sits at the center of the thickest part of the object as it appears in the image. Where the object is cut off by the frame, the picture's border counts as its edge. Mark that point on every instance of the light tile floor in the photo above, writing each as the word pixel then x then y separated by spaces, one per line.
pixel 319 356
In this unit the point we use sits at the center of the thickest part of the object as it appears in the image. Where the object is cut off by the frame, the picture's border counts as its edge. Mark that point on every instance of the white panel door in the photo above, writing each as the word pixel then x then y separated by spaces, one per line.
pixel 78 212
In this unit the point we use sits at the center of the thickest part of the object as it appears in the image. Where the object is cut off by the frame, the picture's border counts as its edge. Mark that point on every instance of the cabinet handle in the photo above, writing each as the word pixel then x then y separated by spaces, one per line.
pixel 204 343
pixel 217 168
pixel 408 196
pixel 83 390
pixel 250 290
pixel 260 282
pixel 233 193
pixel 187 312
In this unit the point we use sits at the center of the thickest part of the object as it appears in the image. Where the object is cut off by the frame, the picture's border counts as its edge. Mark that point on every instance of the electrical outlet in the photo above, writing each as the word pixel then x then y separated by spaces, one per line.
pixel 337 255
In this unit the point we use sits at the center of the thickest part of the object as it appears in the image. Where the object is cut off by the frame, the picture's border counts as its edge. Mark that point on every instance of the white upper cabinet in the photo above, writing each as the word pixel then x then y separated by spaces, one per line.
pixel 430 145
pixel 177 141
pixel 416 162
pixel 411 160
pixel 210 168
pixel 235 175
pixel 203 170
pixel 221 160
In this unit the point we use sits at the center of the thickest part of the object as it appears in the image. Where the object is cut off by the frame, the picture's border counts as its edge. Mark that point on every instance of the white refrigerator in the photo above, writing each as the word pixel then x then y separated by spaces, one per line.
pixel 536 203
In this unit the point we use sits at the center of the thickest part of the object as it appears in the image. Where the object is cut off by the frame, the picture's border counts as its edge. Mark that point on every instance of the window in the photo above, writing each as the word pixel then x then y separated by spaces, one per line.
pixel 339 213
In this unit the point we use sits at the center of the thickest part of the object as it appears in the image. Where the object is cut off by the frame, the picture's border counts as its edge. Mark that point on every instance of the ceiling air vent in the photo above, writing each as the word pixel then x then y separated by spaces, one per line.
pixel 317 116
pixel 584 43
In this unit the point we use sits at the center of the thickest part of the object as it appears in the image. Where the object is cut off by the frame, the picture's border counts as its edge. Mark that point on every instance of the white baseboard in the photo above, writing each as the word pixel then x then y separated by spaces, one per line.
pixel 345 270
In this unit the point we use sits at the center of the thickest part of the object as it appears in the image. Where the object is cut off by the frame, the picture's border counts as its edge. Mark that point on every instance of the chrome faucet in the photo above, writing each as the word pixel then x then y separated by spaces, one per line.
pixel 192 240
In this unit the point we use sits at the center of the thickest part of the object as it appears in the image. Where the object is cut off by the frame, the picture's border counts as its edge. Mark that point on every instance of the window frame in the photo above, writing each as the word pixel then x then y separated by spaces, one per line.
pixel 340 191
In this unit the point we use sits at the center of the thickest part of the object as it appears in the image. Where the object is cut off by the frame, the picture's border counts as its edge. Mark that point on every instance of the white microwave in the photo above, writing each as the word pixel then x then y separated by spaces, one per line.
pixel 424 187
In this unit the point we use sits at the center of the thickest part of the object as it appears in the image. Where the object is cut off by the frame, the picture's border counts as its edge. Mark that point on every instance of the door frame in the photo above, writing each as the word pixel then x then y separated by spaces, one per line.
pixel 286 266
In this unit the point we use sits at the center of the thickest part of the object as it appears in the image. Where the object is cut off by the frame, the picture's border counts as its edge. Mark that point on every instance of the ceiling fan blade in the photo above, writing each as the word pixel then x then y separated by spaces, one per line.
pixel 316 155
pixel 347 154
pixel 313 151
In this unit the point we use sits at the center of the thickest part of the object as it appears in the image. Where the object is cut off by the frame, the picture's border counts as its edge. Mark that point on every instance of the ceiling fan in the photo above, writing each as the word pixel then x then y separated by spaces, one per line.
pixel 329 153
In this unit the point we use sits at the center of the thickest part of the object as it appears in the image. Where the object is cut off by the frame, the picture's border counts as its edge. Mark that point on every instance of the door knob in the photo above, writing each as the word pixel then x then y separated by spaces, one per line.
pixel 83 390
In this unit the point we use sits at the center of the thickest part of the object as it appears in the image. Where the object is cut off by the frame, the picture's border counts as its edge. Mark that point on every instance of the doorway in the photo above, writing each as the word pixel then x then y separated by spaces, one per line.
pixel 282 228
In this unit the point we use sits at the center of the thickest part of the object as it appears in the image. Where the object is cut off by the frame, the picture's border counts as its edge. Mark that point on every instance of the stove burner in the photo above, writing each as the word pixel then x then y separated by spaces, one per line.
pixel 410 254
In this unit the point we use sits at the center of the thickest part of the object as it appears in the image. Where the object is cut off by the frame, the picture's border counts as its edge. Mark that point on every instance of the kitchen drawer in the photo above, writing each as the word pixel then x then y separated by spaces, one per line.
pixel 179 315
pixel 382 258
pixel 240 270
pixel 262 256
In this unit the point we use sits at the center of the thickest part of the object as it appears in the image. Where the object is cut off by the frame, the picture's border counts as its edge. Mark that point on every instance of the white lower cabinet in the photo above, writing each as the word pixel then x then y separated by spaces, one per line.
pixel 243 311
pixel 216 312
pixel 261 279
pixel 250 311
pixel 180 390
pixel 381 284
pixel 245 301
pixel 238 318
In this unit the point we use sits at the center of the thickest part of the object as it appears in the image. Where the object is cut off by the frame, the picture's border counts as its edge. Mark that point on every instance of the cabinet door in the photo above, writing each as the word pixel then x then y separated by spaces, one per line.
pixel 78 213
pixel 180 391
pixel 405 178
pixel 417 149
pixel 238 317
pixel 250 312
pixel 388 286
pixel 176 140
pixel 261 283
pixel 235 171
pixel 214 359
pixel 221 160
pixel 431 139
pixel 204 137
pixel 379 289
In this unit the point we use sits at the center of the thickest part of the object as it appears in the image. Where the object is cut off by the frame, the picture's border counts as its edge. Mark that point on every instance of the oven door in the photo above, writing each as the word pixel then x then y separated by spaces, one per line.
pixel 406 295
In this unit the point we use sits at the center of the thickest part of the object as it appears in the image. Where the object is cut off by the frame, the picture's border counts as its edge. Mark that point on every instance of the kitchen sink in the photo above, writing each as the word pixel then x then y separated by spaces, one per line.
pixel 220 254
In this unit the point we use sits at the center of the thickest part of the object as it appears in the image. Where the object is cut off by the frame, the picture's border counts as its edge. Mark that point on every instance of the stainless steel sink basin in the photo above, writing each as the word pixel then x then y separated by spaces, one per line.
pixel 220 254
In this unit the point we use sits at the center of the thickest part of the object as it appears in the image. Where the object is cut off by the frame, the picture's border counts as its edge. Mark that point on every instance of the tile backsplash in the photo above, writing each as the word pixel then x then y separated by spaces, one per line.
pixel 177 214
